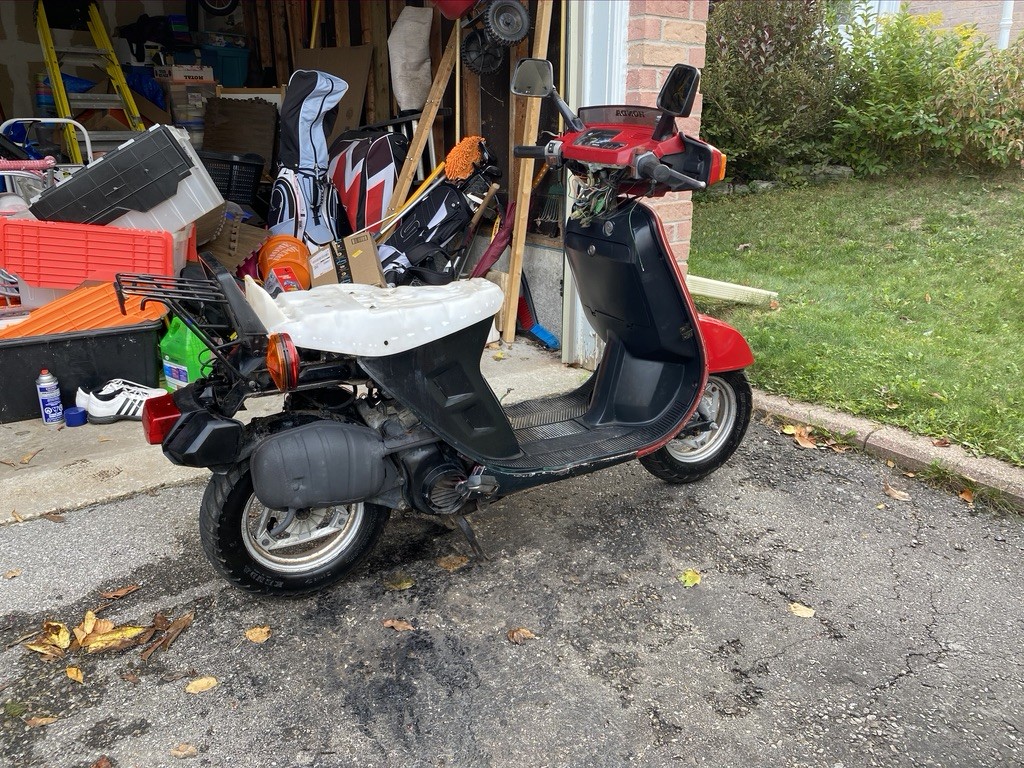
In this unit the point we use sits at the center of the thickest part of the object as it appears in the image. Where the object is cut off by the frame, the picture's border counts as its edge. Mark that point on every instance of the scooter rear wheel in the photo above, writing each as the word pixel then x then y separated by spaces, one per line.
pixel 727 399
pixel 264 551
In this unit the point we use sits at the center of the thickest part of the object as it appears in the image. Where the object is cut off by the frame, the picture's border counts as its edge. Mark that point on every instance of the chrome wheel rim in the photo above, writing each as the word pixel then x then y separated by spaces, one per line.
pixel 717 404
pixel 312 539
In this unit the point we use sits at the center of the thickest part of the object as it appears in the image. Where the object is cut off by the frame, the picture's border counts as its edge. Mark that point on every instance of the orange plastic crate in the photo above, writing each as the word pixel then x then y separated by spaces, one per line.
pixel 52 254
pixel 89 308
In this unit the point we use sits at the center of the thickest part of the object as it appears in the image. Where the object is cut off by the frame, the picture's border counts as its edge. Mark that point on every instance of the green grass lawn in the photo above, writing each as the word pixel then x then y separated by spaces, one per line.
pixel 899 299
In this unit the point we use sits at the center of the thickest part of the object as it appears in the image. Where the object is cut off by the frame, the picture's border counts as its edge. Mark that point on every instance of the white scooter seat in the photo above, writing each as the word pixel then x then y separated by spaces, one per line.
pixel 367 321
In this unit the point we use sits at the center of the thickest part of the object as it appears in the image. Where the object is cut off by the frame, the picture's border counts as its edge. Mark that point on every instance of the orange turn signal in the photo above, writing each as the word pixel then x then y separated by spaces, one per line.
pixel 282 361
pixel 718 161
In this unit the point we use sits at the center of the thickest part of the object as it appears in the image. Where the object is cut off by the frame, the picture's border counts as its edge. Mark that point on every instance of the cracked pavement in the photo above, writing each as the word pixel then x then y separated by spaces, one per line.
pixel 911 659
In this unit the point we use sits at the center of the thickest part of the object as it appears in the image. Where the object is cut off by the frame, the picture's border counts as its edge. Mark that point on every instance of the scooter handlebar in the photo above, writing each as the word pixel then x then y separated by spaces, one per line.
pixel 530 151
pixel 648 166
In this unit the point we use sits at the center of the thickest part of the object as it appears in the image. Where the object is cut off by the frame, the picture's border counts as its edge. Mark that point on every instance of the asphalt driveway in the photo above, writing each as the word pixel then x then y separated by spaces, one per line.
pixel 912 656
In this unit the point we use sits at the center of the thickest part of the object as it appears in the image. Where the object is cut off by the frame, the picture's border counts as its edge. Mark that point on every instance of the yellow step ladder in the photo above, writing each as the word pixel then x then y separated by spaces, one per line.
pixel 84 15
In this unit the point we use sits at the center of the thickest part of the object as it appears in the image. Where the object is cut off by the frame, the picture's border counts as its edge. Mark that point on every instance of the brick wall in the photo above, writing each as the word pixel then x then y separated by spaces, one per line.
pixel 985 14
pixel 663 33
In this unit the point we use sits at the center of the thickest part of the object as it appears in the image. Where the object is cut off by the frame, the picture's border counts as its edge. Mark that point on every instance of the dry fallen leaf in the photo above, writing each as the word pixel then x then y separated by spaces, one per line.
pixel 689 577
pixel 53 517
pixel 13 573
pixel 744 246
pixel 75 674
pixel 103 762
pixel 399 625
pixel 35 722
pixel 895 493
pixel 175 628
pixel 910 474
pixel 452 562
pixel 258 634
pixel 788 429
pixel 131 677
pixel 399 582
pixel 773 304
pixel 967 495
pixel 803 438
pixel 927 298
pixel 520 635
pixel 201 684
pixel 801 610
pixel 115 640
pixel 498 355
pixel 892 406
pixel 30 455
pixel 890 463
pixel 183 751
pixel 117 594
pixel 941 442
pixel 880 506
pixel 17 518
pixel 8 463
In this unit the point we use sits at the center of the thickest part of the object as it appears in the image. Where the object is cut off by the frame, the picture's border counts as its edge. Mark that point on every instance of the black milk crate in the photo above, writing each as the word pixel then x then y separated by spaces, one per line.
pixel 237 176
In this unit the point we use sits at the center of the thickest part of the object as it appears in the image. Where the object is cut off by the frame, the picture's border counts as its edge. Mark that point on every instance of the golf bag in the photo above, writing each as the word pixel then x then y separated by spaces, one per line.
pixel 418 252
pixel 364 168
pixel 303 201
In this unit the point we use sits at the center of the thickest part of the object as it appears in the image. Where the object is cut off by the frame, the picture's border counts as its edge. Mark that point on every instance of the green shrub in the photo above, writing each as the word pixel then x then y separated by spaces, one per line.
pixel 981 109
pixel 770 84
pixel 899 68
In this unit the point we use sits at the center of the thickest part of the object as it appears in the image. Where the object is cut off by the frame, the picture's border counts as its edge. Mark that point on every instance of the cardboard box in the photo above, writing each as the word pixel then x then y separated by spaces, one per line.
pixel 363 261
pixel 184 73
pixel 281 280
pixel 322 265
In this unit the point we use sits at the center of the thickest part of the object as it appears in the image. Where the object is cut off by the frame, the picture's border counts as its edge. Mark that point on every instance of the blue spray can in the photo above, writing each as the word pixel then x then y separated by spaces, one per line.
pixel 48 390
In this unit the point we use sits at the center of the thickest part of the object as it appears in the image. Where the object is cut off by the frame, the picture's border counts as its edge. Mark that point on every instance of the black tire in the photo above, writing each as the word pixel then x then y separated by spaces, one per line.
pixel 688 459
pixel 228 504
pixel 218 7
pixel 506 22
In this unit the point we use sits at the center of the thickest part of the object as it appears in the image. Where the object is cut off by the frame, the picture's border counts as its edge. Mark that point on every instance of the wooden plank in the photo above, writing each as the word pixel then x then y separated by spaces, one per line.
pixel 373 18
pixel 471 103
pixel 342 28
pixel 282 64
pixel 419 139
pixel 716 289
pixel 262 26
pixel 296 29
pixel 436 52
pixel 517 114
pixel 531 123
pixel 395 8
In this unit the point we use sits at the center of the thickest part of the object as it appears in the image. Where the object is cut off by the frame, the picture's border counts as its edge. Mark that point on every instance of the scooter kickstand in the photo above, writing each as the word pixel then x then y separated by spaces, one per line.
pixel 470 534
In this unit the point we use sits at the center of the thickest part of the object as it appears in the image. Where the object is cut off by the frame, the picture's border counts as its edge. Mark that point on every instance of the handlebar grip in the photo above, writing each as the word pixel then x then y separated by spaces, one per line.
pixel 651 167
pixel 531 151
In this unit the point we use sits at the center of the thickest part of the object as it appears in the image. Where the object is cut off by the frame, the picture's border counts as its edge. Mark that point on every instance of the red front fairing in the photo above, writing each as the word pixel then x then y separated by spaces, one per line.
pixel 725 347
pixel 616 135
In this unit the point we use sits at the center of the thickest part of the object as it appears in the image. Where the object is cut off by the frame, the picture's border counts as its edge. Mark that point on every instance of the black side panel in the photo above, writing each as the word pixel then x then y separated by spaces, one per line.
pixel 627 286
pixel 441 383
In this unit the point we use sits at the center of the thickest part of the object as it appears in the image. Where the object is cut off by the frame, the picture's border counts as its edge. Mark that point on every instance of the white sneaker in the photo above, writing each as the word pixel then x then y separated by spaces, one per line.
pixel 117 399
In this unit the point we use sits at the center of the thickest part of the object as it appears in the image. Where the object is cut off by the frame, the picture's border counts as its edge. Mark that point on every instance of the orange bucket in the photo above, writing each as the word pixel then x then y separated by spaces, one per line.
pixel 286 251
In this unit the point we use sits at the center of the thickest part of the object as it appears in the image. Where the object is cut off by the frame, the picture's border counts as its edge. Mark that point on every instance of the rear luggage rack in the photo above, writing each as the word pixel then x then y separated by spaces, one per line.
pixel 200 303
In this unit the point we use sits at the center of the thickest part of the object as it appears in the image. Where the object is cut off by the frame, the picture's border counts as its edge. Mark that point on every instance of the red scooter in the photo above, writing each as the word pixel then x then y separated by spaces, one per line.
pixel 386 408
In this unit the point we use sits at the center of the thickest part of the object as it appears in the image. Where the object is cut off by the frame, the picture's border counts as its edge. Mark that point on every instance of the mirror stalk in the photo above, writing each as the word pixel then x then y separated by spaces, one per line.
pixel 566 112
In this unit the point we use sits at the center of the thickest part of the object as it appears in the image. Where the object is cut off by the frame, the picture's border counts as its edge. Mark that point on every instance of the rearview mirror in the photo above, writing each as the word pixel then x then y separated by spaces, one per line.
pixel 679 91
pixel 533 77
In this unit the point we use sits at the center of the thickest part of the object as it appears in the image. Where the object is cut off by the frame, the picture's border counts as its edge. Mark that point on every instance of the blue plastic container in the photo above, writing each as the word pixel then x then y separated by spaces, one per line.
pixel 230 65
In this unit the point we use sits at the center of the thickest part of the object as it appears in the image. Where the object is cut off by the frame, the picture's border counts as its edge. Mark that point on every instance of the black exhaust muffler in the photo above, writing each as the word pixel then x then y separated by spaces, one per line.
pixel 318 465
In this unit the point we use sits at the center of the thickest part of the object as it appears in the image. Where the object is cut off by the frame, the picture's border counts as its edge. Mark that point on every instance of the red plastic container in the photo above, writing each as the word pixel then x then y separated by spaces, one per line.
pixel 453 9
pixel 53 254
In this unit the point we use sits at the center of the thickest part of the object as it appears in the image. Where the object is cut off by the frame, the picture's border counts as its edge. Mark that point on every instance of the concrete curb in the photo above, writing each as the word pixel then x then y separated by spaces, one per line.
pixel 908 451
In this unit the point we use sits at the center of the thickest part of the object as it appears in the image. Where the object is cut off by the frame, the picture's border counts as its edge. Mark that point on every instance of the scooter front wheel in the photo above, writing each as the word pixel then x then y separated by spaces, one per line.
pixel 727 402
pixel 277 553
